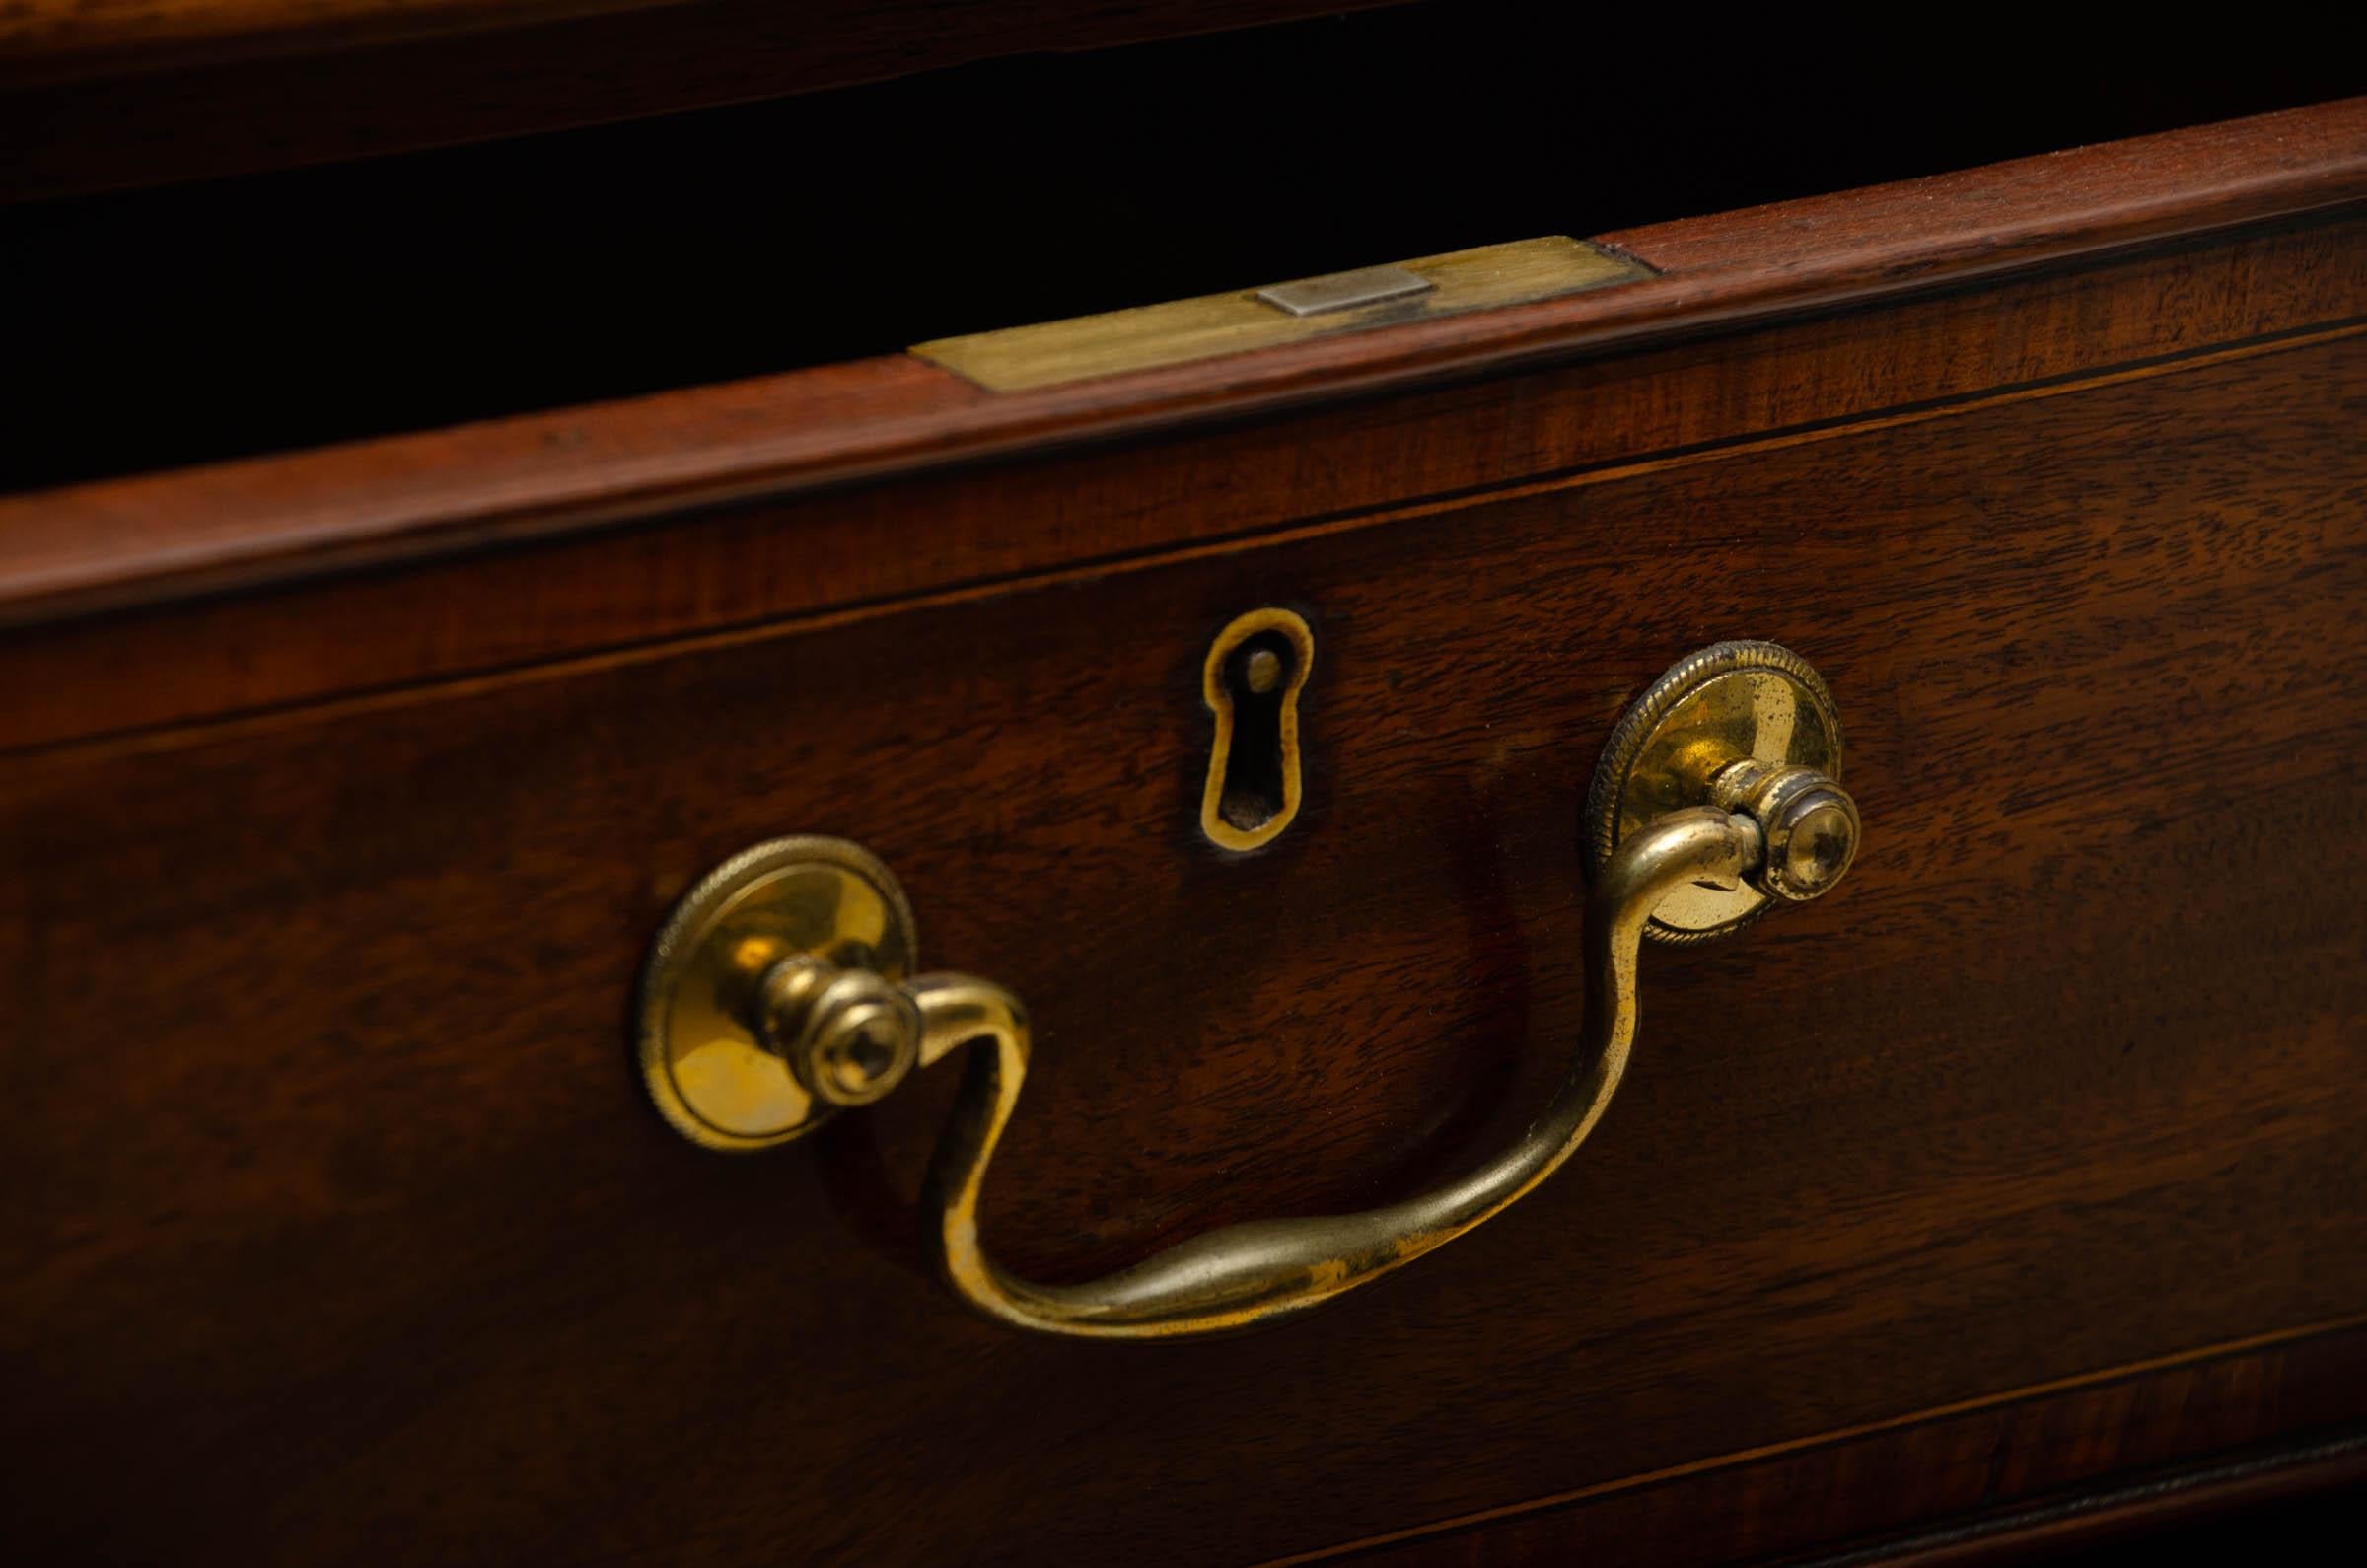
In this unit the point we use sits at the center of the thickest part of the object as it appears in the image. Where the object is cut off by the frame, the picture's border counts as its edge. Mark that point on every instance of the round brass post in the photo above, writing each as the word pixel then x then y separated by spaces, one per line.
pixel 1729 704
pixel 772 997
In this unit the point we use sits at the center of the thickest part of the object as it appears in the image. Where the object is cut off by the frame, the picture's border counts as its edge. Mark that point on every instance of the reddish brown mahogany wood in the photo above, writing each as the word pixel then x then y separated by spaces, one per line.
pixel 2280 1506
pixel 340 1223
pixel 1075 510
pixel 273 519
pixel 1971 1469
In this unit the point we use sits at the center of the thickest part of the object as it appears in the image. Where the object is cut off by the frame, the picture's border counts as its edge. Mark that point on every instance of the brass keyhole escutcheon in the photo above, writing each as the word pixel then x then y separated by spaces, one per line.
pixel 1252 679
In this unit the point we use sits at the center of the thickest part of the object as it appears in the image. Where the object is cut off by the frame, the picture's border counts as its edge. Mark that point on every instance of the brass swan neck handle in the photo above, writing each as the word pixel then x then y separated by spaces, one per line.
pixel 846 1028
pixel 1249 1273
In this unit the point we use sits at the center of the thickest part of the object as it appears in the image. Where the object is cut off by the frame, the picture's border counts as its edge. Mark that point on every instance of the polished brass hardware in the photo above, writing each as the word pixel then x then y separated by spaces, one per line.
pixel 1809 821
pixel 797 951
pixel 1729 703
pixel 848 1034
pixel 1052 353
pixel 1251 681
pixel 745 1041
pixel 1344 291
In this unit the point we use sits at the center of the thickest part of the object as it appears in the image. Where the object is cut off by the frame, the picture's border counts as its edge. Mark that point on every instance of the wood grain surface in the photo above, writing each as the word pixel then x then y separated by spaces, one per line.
pixel 717 570
pixel 276 520
pixel 2281 1504
pixel 341 1224
pixel 347 788
pixel 2063 1469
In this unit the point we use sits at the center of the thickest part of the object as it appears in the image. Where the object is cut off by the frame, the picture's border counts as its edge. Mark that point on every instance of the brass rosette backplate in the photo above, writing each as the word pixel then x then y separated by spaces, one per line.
pixel 1728 702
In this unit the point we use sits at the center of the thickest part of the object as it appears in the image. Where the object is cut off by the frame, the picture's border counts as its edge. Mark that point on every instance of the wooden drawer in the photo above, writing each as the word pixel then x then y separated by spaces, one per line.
pixel 342 808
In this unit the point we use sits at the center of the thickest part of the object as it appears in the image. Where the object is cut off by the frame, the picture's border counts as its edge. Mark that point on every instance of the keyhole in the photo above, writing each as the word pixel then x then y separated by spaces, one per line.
pixel 1254 672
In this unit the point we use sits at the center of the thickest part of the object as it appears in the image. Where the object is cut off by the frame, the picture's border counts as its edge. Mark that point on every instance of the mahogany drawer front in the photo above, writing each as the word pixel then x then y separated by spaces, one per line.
pixel 342 1223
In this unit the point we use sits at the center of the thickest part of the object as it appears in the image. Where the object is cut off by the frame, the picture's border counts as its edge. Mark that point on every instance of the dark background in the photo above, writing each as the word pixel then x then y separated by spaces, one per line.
pixel 152 329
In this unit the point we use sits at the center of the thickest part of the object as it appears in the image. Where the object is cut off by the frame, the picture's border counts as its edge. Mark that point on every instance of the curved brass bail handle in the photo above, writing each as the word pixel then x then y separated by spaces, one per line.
pixel 1264 1270
pixel 777 997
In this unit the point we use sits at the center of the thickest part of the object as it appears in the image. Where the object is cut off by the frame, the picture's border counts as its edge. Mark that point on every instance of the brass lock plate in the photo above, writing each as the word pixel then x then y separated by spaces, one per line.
pixel 707 1069
pixel 1731 701
pixel 1180 331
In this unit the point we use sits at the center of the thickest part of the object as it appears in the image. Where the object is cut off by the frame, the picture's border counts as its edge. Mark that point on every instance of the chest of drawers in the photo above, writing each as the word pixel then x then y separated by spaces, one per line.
pixel 2010 1195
